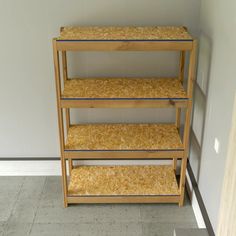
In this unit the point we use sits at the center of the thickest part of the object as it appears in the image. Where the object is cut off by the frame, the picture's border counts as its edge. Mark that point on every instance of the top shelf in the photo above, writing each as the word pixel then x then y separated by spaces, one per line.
pixel 157 33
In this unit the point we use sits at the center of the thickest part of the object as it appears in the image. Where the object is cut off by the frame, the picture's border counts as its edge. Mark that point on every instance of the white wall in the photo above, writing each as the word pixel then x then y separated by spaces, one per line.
pixel 216 64
pixel 28 120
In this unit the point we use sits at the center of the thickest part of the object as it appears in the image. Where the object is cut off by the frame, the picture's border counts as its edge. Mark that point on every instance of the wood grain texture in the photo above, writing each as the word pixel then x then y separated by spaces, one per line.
pixel 56 60
pixel 123 137
pixel 124 103
pixel 112 88
pixel 104 140
pixel 70 45
pixel 123 199
pixel 124 33
pixel 123 180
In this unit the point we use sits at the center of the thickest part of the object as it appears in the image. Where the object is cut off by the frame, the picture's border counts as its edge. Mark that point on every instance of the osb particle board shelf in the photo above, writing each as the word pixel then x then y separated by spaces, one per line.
pixel 122 180
pixel 156 33
pixel 123 93
pixel 123 88
pixel 123 137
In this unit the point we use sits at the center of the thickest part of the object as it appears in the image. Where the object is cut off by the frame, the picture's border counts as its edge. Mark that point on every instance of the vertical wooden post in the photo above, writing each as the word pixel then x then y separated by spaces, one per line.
pixel 191 79
pixel 60 119
pixel 67 110
pixel 178 110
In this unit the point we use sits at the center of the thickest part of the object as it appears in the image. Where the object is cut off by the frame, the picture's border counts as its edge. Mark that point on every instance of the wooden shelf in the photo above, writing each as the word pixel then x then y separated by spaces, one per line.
pixel 123 181
pixel 125 33
pixel 123 92
pixel 123 137
pixel 123 184
pixel 123 141
pixel 124 38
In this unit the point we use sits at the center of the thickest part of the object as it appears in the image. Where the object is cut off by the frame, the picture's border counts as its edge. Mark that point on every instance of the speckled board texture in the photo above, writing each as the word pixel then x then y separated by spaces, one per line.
pixel 123 137
pixel 123 88
pixel 124 33
pixel 123 180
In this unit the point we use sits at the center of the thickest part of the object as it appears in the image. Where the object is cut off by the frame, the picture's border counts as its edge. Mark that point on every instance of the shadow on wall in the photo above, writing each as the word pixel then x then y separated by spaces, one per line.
pixel 200 103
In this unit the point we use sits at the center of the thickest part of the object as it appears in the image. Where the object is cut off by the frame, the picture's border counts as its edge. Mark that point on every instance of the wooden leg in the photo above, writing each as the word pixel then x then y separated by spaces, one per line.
pixel 177 123
pixel 186 148
pixel 182 180
pixel 64 180
pixel 60 120
pixel 67 110
pixel 191 79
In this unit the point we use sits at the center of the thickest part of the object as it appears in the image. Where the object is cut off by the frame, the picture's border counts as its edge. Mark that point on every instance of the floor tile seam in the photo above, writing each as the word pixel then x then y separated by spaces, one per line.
pixel 16 199
pixel 39 199
pixel 94 221
pixel 166 222
pixel 13 207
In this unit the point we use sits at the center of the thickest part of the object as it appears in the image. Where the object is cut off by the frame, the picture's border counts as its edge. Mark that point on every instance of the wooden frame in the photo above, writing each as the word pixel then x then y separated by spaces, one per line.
pixel 67 110
pixel 178 109
pixel 123 103
pixel 123 45
pixel 124 199
pixel 64 105
pixel 191 79
pixel 119 155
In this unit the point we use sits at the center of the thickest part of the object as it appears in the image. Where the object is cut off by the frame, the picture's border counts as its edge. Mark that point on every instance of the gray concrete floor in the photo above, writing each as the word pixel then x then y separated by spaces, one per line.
pixel 33 206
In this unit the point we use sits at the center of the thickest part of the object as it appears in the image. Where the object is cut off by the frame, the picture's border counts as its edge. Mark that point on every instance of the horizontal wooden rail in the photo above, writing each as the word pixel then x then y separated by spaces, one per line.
pixel 123 103
pixel 123 199
pixel 111 155
pixel 124 45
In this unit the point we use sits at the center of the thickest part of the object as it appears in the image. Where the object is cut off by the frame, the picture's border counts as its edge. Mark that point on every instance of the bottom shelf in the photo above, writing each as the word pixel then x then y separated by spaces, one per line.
pixel 121 181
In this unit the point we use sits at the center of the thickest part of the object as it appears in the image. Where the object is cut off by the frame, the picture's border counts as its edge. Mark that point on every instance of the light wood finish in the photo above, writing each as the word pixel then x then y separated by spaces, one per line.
pixel 181 66
pixel 65 77
pixel 181 79
pixel 123 46
pixel 123 181
pixel 124 42
pixel 131 103
pixel 192 65
pixel 178 109
pixel 121 88
pixel 174 163
pixel 64 66
pixel 191 80
pixel 123 137
pixel 175 33
pixel 227 212
pixel 125 199
pixel 60 119
pixel 67 110
pixel 178 117
pixel 122 155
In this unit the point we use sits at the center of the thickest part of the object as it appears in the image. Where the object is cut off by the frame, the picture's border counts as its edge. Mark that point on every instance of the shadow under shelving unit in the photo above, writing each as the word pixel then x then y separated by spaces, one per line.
pixel 123 184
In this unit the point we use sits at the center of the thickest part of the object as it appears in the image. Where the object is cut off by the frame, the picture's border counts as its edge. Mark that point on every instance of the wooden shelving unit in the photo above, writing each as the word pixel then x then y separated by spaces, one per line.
pixel 123 184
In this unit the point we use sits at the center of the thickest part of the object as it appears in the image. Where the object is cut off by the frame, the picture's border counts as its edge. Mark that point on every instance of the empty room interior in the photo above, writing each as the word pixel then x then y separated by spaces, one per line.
pixel 118 118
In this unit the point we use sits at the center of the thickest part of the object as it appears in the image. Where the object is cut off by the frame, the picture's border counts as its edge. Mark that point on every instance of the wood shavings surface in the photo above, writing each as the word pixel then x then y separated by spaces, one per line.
pixel 123 180
pixel 123 137
pixel 123 88
pixel 124 33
